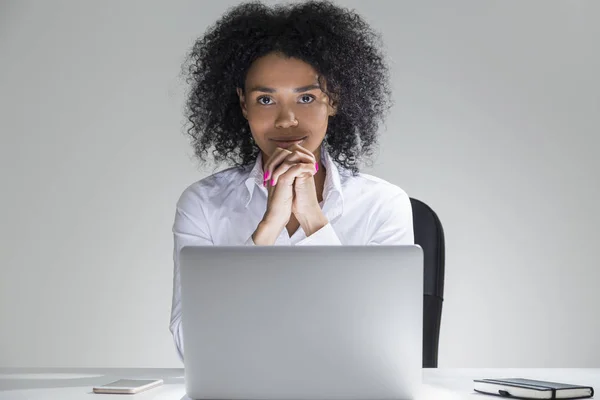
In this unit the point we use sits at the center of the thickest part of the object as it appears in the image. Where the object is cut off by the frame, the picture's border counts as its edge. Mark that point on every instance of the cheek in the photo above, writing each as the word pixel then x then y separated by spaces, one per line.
pixel 317 111
pixel 260 122
pixel 314 117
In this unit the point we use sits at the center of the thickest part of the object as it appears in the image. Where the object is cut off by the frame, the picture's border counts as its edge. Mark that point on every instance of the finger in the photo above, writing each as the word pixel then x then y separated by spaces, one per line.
pixel 294 153
pixel 295 171
pixel 269 191
pixel 294 148
pixel 276 155
pixel 292 159
pixel 280 170
pixel 297 157
pixel 301 149
pixel 276 158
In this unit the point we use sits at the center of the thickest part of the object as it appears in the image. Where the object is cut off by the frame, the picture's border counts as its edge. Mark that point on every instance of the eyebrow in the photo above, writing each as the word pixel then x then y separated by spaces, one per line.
pixel 297 90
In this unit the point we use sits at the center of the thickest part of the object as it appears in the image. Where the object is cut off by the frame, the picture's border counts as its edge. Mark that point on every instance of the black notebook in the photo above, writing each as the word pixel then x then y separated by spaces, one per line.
pixel 518 388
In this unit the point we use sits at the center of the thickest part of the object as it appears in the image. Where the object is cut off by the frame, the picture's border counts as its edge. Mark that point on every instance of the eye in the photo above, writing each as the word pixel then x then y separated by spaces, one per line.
pixel 307 99
pixel 267 100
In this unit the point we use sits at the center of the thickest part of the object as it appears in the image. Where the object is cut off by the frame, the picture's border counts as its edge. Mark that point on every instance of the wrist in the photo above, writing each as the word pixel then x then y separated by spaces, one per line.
pixel 266 232
pixel 313 221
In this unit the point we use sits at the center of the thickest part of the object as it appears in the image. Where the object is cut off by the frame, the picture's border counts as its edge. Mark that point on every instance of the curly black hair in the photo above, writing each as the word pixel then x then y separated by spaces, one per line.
pixel 335 41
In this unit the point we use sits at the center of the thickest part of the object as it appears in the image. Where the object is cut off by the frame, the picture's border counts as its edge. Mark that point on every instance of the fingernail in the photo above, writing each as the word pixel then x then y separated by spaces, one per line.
pixel 317 166
pixel 272 182
pixel 266 176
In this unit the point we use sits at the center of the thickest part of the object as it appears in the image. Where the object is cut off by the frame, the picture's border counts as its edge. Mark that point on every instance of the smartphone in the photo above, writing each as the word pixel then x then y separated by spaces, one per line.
pixel 128 386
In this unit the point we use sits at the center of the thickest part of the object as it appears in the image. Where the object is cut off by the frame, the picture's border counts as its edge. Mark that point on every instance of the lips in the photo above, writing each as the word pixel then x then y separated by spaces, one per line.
pixel 285 142
pixel 288 138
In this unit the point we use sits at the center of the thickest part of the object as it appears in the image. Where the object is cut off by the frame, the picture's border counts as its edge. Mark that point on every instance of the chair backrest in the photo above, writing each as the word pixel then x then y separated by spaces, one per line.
pixel 429 234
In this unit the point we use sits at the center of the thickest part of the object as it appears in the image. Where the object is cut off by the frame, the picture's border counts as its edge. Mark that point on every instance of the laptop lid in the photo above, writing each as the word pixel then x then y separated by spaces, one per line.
pixel 302 322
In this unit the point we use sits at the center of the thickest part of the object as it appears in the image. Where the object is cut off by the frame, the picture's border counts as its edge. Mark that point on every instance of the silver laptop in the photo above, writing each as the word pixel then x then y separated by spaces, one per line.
pixel 302 322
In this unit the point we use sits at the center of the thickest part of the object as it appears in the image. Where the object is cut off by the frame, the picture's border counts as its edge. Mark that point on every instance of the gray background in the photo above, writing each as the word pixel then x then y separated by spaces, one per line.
pixel 495 125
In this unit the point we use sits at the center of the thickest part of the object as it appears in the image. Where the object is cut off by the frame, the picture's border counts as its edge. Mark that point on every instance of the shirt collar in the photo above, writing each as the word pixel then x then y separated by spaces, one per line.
pixel 255 178
pixel 333 198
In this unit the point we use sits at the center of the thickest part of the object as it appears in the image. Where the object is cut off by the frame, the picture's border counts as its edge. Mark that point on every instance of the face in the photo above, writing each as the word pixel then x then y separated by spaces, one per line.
pixel 284 105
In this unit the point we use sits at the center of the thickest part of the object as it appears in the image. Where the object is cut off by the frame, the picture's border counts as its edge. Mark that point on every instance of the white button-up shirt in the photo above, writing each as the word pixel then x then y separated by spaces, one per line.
pixel 225 209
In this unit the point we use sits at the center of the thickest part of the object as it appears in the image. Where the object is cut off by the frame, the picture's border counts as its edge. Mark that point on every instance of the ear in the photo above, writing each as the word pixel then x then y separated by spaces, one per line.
pixel 240 94
pixel 333 105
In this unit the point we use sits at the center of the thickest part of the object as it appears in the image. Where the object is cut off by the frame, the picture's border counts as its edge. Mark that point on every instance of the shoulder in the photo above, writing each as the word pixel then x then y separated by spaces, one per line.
pixel 214 188
pixel 365 184
pixel 376 198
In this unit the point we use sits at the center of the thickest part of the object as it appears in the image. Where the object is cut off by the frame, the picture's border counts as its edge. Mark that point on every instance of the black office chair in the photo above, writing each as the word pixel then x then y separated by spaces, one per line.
pixel 429 234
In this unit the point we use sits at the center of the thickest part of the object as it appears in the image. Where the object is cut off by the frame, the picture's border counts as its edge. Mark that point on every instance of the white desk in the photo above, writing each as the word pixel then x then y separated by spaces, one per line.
pixel 76 384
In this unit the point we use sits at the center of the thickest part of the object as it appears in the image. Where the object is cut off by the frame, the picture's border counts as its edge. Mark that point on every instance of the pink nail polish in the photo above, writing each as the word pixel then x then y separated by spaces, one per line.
pixel 317 166
pixel 266 176
pixel 272 182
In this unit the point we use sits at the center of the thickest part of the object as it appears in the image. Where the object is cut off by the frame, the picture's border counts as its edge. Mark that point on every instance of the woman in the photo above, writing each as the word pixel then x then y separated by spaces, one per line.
pixel 291 97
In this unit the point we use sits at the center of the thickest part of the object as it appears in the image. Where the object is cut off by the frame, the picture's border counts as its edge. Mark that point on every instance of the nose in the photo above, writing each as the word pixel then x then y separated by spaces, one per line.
pixel 286 118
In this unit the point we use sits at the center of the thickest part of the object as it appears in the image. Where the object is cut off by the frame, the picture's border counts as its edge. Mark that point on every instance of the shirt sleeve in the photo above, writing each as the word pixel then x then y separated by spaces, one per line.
pixel 325 236
pixel 394 223
pixel 189 229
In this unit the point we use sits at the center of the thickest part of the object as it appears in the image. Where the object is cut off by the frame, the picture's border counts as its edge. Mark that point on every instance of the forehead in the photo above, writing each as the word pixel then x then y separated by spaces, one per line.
pixel 276 70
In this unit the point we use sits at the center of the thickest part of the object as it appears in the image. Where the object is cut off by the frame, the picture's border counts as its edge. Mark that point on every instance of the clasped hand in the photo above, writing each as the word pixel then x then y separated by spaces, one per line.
pixel 289 178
